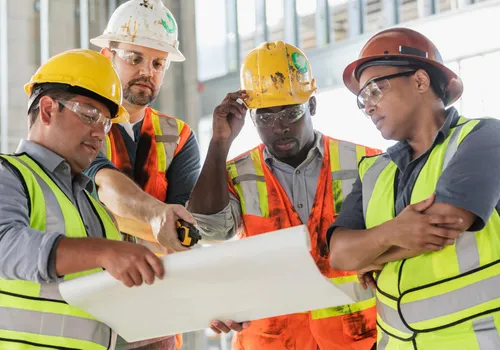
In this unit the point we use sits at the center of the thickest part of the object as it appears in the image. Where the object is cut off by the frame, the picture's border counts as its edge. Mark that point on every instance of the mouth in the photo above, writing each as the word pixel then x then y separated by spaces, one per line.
pixel 91 147
pixel 378 122
pixel 284 144
pixel 144 85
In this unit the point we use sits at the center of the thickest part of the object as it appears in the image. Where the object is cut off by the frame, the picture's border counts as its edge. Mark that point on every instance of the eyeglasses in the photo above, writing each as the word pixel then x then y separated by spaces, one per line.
pixel 373 91
pixel 288 116
pixel 88 114
pixel 133 58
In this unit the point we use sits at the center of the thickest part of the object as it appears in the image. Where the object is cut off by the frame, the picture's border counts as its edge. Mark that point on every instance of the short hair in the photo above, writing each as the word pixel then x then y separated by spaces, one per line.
pixel 56 93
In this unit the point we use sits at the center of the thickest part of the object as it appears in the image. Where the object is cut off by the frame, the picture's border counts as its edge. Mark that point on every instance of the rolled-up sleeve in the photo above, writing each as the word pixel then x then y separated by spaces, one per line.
pixel 471 180
pixel 351 213
pixel 24 252
pixel 223 225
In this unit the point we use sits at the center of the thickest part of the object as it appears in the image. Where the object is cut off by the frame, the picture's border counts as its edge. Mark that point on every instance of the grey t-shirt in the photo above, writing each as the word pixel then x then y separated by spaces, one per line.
pixel 471 181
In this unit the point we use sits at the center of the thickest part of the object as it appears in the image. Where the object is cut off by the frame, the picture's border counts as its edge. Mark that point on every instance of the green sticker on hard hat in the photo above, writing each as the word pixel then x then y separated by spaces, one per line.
pixel 169 27
pixel 299 61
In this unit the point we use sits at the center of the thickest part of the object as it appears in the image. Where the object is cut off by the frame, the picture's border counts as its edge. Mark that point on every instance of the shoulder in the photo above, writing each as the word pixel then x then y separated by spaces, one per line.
pixel 246 155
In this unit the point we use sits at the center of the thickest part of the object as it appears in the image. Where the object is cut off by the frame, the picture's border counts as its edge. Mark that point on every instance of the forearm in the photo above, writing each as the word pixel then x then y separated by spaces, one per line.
pixel 352 250
pixel 211 194
pixel 79 254
pixel 396 253
pixel 124 198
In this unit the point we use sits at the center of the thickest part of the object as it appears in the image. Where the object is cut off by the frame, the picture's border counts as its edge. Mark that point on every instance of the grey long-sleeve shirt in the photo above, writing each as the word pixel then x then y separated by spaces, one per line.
pixel 299 184
pixel 27 254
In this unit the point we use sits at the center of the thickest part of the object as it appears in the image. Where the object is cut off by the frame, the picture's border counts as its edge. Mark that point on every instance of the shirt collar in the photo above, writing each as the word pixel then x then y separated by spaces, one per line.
pixel 52 162
pixel 317 148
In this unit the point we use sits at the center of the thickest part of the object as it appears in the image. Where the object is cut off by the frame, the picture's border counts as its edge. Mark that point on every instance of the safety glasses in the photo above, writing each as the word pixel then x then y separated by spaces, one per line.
pixel 133 58
pixel 373 91
pixel 88 114
pixel 287 116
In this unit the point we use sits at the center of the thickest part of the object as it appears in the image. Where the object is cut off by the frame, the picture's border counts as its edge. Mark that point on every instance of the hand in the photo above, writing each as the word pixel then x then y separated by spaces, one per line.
pixel 130 263
pixel 228 326
pixel 366 278
pixel 163 224
pixel 413 229
pixel 229 117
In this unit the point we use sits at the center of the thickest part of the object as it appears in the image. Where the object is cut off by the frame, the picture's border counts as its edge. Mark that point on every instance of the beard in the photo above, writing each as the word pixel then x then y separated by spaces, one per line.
pixel 141 98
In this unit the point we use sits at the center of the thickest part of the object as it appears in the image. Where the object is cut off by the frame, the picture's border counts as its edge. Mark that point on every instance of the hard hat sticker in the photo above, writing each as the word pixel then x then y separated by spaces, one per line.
pixel 146 4
pixel 300 62
pixel 170 27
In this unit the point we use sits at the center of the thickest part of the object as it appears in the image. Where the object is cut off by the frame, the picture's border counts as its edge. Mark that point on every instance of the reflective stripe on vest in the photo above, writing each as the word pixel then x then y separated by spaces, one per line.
pixel 249 182
pixel 35 313
pixel 438 289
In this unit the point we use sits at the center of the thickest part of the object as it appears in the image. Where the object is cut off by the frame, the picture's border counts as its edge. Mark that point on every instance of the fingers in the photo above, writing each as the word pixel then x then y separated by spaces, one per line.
pixel 184 214
pixel 361 278
pixel 147 272
pixel 444 220
pixel 135 275
pixel 228 326
pixel 445 233
pixel 169 238
pixel 127 280
pixel 424 205
pixel 370 280
pixel 156 264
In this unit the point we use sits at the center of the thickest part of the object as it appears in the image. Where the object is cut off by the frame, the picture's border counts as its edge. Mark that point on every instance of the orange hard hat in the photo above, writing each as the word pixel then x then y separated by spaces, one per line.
pixel 403 47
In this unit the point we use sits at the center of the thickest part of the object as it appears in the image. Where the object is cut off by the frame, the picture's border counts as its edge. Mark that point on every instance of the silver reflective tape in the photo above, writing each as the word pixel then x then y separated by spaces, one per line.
pixel 452 147
pixel 486 333
pixel 348 162
pixel 169 130
pixel 391 317
pixel 248 177
pixel 167 138
pixel 50 291
pixel 245 167
pixel 345 174
pixel 384 340
pixel 467 252
pixel 370 179
pixel 451 302
pixel 44 323
pixel 53 217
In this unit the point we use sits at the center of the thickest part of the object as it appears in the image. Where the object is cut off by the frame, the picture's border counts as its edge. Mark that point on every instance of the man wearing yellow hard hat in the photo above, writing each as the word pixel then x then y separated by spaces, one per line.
pixel 152 159
pixel 296 176
pixel 51 228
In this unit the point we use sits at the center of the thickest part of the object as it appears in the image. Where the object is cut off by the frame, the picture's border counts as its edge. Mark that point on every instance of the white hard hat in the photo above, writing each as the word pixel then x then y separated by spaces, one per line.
pixel 145 23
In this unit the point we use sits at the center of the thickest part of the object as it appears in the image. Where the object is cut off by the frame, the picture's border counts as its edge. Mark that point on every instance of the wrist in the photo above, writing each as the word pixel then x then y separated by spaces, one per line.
pixel 220 144
pixel 384 235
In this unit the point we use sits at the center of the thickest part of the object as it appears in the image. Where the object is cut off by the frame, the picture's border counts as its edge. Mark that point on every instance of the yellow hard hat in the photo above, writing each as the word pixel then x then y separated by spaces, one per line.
pixel 85 69
pixel 276 74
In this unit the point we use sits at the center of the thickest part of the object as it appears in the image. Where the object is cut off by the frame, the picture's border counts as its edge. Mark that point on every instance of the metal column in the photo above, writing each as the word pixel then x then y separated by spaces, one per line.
pixel 44 31
pixel 233 37
pixel 261 31
pixel 390 9
pixel 427 7
pixel 356 15
pixel 84 24
pixel 323 23
pixel 4 79
pixel 111 7
pixel 291 22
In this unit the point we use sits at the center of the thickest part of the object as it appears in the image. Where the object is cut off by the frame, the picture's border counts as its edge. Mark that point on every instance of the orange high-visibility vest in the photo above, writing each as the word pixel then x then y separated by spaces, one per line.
pixel 266 207
pixel 161 138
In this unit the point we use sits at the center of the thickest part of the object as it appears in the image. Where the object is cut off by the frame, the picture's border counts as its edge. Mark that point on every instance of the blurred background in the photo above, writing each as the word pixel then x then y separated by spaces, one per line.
pixel 215 35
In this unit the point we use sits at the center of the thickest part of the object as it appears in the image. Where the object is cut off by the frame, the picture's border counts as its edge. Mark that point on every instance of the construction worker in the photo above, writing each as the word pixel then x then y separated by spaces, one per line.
pixel 427 209
pixel 153 159
pixel 51 229
pixel 296 176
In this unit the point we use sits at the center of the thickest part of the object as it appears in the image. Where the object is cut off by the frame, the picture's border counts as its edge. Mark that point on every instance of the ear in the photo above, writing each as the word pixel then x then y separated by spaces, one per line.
pixel 107 53
pixel 48 107
pixel 423 81
pixel 312 105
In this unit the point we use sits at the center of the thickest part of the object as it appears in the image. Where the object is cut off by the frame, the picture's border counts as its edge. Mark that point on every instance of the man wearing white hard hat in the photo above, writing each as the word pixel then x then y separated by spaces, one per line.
pixel 153 159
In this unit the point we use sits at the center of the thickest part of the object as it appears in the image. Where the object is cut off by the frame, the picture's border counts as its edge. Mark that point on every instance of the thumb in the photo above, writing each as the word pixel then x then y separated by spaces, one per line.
pixel 425 204
pixel 184 214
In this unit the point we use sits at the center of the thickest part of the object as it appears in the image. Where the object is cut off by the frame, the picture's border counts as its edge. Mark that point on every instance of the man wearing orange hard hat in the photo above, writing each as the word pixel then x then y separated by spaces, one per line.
pixel 426 212
pixel 296 176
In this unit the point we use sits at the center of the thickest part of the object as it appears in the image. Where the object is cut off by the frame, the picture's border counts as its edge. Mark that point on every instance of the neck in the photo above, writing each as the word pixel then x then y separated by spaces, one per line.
pixel 428 122
pixel 136 112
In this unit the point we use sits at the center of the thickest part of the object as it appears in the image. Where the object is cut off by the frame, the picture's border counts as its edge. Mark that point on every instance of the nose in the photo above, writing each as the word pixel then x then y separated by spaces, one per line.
pixel 98 132
pixel 279 127
pixel 147 69
pixel 369 109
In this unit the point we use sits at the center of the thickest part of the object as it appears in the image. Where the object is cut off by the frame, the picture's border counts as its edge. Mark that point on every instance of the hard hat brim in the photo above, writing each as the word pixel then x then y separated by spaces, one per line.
pixel 455 86
pixel 174 54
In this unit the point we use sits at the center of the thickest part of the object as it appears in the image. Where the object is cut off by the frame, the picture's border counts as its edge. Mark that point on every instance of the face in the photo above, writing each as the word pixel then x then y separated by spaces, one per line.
pixel 69 132
pixel 292 130
pixel 141 71
pixel 390 103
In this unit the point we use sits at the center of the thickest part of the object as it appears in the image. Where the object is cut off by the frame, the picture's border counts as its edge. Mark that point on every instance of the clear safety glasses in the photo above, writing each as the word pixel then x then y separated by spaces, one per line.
pixel 133 58
pixel 288 116
pixel 88 114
